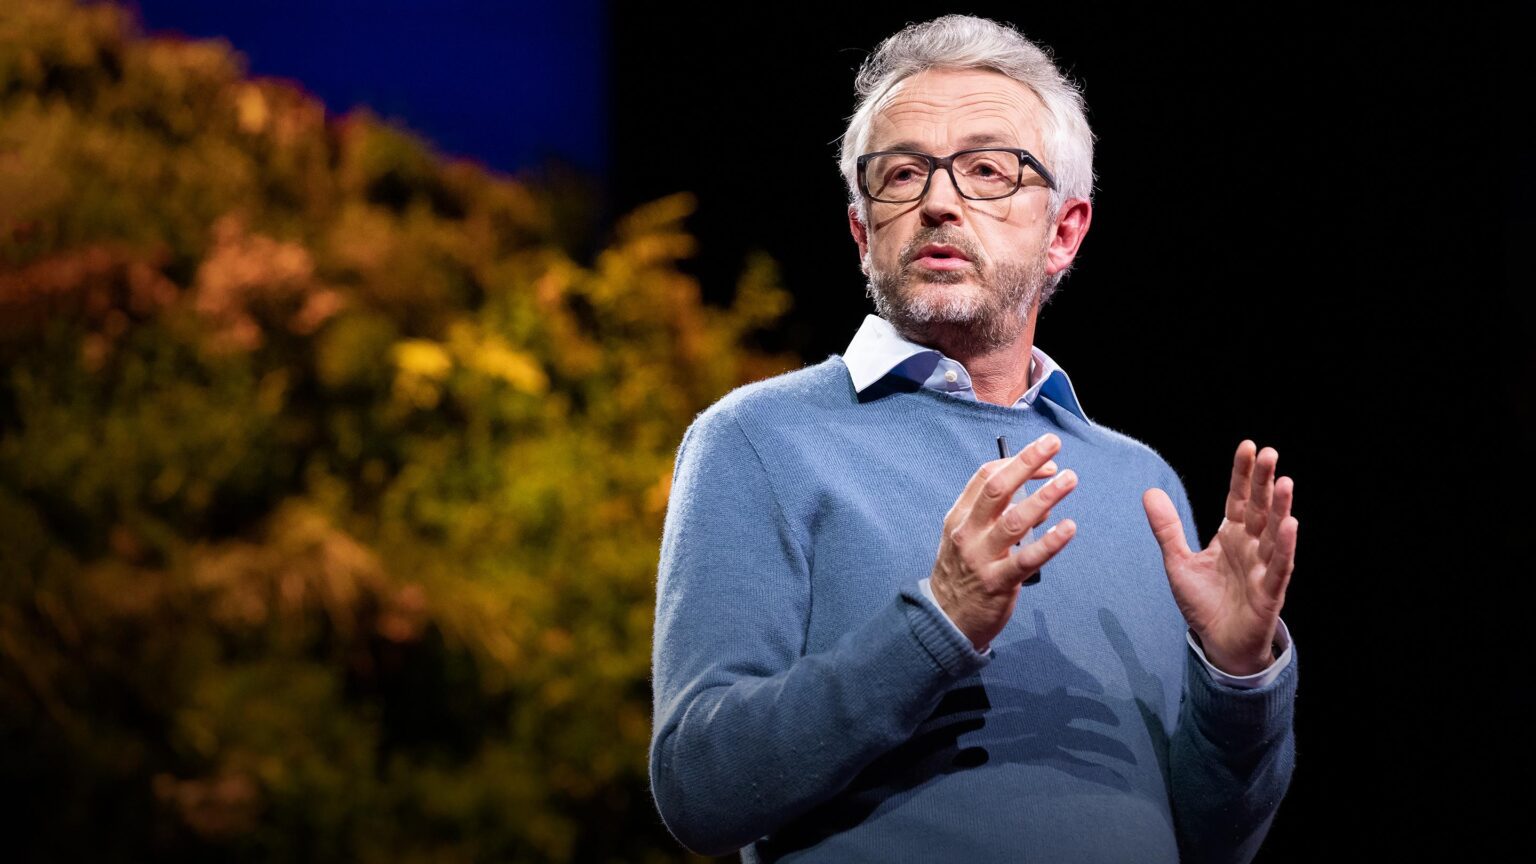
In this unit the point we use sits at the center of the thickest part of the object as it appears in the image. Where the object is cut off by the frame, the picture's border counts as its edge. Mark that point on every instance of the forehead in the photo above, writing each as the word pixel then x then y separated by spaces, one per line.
pixel 942 110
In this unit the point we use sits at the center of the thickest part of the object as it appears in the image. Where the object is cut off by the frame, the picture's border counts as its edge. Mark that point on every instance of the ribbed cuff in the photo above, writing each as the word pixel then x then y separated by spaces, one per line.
pixel 948 647
pixel 1236 718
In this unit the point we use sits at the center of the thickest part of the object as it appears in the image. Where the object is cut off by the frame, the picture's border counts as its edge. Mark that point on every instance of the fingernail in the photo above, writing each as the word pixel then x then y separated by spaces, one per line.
pixel 1050 466
pixel 1048 440
pixel 1066 478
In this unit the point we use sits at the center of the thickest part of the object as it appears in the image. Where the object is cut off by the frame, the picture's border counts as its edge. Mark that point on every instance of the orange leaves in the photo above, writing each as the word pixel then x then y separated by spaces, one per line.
pixel 218 807
pixel 330 482
pixel 100 285
pixel 249 282
pixel 302 566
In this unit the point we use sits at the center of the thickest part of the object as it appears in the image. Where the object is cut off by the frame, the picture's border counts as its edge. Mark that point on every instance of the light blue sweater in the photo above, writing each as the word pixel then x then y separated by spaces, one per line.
pixel 811 705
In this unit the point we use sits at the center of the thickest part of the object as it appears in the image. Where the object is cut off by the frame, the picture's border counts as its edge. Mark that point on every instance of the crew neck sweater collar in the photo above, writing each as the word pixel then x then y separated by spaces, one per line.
pixel 877 351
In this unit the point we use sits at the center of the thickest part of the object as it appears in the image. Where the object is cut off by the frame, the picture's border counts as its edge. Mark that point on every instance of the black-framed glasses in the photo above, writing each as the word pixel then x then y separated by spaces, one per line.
pixel 980 174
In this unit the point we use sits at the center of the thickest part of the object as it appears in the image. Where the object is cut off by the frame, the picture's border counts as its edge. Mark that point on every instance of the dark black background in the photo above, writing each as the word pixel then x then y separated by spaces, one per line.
pixel 1312 228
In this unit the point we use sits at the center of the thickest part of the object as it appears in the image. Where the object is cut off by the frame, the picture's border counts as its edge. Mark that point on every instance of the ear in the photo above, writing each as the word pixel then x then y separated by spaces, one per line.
pixel 1070 228
pixel 860 233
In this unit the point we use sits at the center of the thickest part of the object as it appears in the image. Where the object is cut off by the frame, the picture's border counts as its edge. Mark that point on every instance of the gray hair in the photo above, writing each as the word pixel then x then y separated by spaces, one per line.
pixel 964 42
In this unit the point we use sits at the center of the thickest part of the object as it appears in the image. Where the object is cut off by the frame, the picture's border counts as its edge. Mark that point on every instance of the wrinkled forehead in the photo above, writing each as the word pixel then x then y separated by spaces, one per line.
pixel 943 110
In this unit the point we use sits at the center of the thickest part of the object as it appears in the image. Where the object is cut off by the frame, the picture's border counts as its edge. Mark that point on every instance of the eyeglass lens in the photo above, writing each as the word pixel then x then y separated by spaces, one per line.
pixel 901 177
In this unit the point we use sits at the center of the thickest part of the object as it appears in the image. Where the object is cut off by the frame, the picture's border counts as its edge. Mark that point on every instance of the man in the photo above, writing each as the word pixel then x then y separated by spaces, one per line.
pixel 868 648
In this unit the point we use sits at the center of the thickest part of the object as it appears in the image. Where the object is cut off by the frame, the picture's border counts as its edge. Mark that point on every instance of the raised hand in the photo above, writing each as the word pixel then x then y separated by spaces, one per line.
pixel 977 573
pixel 1231 592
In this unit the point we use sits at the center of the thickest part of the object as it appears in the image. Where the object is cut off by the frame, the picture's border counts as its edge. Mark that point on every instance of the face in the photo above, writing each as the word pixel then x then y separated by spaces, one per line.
pixel 944 259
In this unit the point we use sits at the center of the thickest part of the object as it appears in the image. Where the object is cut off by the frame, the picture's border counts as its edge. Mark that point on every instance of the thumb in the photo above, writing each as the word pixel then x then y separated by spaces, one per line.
pixel 1166 525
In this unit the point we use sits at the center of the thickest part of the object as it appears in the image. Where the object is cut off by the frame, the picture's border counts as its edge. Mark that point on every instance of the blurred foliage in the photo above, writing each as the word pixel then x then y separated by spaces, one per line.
pixel 330 483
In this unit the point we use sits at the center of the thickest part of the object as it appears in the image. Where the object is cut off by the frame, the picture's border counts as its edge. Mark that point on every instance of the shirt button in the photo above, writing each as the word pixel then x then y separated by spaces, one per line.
pixel 951 376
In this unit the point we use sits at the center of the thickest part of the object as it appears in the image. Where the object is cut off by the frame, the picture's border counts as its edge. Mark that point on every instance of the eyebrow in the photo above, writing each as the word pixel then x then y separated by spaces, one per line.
pixel 975 139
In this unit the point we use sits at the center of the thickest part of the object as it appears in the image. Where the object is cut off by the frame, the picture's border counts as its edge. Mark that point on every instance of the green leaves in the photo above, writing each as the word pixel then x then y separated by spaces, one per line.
pixel 330 485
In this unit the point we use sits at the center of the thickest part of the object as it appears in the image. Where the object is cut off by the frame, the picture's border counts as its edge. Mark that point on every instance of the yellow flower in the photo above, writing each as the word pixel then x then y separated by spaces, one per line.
pixel 423 358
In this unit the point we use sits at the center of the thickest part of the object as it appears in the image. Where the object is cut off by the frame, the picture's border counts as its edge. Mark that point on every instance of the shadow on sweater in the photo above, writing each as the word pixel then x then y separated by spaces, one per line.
pixel 1041 725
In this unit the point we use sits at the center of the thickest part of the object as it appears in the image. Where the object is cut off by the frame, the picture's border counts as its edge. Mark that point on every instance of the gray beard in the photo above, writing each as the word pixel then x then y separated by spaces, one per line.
pixel 970 325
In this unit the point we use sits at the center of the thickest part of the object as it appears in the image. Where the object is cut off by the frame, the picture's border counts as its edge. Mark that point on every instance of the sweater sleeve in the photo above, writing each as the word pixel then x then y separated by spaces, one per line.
pixel 751 732
pixel 1231 755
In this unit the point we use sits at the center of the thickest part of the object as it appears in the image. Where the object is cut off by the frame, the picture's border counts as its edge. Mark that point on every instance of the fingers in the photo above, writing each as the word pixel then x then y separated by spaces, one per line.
pixel 1279 509
pixel 1166 526
pixel 1277 574
pixel 1028 560
pixel 998 487
pixel 1242 474
pixel 1018 519
pixel 1260 491
pixel 988 469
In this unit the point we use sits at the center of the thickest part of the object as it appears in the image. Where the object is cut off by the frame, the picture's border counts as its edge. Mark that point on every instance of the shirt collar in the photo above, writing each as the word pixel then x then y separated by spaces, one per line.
pixel 877 350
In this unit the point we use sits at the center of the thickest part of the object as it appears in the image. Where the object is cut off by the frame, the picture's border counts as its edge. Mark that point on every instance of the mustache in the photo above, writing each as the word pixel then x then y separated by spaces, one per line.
pixel 942 235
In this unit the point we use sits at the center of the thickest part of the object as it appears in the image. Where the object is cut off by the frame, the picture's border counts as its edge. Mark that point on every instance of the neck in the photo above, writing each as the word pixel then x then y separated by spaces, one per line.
pixel 999 369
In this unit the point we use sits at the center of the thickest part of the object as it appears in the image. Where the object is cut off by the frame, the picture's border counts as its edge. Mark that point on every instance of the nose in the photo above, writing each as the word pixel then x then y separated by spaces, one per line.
pixel 941 204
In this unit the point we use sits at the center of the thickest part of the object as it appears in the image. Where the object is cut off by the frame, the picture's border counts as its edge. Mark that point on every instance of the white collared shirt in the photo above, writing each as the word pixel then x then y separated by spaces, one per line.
pixel 877 350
